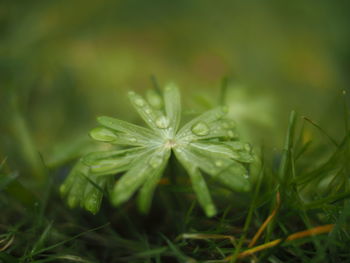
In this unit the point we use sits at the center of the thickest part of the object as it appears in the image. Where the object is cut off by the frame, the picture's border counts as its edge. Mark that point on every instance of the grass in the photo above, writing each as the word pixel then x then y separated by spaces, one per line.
pixel 297 211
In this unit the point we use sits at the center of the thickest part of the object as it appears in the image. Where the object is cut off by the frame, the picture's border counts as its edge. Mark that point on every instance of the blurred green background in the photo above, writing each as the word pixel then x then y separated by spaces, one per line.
pixel 62 63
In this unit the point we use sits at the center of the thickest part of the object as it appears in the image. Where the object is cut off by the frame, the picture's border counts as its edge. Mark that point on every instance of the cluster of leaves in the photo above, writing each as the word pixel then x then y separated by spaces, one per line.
pixel 208 144
pixel 312 182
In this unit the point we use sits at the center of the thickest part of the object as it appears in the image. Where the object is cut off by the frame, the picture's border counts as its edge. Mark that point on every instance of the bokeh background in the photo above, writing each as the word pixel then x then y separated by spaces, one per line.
pixel 62 63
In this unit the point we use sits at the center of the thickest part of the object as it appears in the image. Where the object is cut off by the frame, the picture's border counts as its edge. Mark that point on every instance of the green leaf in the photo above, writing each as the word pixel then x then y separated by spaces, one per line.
pixel 74 186
pixel 172 106
pixel 136 133
pixel 229 173
pixel 234 150
pixel 206 144
pixel 155 119
pixel 235 178
pixel 103 134
pixel 198 183
pixel 93 193
pixel 146 165
pixel 148 188
pixel 111 162
pixel 206 125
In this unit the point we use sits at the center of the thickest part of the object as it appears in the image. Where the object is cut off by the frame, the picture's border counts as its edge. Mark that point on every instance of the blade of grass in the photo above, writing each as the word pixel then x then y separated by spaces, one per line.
pixel 177 252
pixel 40 251
pixel 334 142
pixel 249 217
pixel 266 222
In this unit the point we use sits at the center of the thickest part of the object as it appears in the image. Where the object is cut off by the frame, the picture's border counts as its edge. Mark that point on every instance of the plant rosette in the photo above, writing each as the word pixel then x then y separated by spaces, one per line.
pixel 207 144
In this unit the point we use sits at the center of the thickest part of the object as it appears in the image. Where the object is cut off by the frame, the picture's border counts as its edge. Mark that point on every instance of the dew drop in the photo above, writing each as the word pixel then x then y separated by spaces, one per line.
pixel 247 147
pixel 219 163
pixel 132 139
pixel 103 134
pixel 179 149
pixel 162 122
pixel 148 110
pixel 229 124
pixel 230 134
pixel 200 129
pixel 221 113
pixel 139 102
pixel 156 161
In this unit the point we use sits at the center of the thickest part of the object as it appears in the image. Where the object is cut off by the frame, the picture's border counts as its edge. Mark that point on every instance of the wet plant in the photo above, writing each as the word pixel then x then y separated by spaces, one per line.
pixel 208 143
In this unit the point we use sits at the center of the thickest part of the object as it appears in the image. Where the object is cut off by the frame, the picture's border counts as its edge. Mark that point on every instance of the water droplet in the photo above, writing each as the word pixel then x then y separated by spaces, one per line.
pixel 162 122
pixel 103 134
pixel 222 112
pixel 148 110
pixel 219 163
pixel 179 149
pixel 139 102
pixel 156 161
pixel 132 139
pixel 247 147
pixel 200 129
pixel 230 134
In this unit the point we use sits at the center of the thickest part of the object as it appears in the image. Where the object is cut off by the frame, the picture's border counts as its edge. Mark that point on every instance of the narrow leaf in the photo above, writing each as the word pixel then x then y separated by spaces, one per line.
pixel 147 190
pixel 128 184
pixel 74 186
pixel 228 172
pixel 151 116
pixel 204 126
pixel 111 162
pixel 172 106
pixel 198 183
pixel 234 150
pixel 135 132
pixel 94 192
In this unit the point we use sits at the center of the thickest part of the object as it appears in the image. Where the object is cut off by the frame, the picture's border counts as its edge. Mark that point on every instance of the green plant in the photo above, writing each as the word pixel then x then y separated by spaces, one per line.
pixel 208 143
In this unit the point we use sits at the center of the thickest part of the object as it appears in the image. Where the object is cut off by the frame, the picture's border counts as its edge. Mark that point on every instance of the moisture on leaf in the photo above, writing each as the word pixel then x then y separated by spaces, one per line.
pixel 207 145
